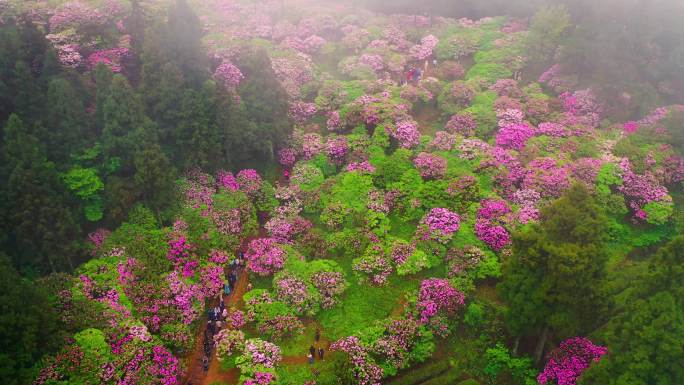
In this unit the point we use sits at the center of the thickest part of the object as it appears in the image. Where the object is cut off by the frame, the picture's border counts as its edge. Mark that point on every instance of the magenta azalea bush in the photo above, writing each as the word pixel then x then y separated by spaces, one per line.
pixel 430 166
pixel 437 296
pixel 439 224
pixel 264 256
pixel 567 363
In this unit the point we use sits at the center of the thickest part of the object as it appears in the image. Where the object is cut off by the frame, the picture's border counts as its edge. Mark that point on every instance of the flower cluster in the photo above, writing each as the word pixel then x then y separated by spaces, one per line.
pixel 642 191
pixel 375 264
pixel 567 363
pixel 443 141
pixel 459 260
pixel 228 342
pixel 226 179
pixel 330 285
pixel 424 50
pixel 430 166
pixel 279 326
pixel 365 370
pixel 363 167
pixel 228 75
pixel 312 145
pixel 406 132
pixel 260 352
pixel 547 177
pixel 489 225
pixel 249 181
pixel 437 295
pixel 287 157
pixel 110 57
pixel 337 149
pixel 439 224
pixel 300 111
pixel 373 61
pixel 552 129
pixel 334 122
pixel 264 256
pixel 294 292
pixel 514 136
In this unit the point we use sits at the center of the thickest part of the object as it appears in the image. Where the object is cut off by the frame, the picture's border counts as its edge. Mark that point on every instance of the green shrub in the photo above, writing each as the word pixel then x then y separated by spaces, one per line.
pixel 420 374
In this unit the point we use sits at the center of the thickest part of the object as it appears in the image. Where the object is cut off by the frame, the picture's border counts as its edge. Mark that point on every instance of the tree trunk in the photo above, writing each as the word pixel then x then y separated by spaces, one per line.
pixel 539 350
pixel 515 346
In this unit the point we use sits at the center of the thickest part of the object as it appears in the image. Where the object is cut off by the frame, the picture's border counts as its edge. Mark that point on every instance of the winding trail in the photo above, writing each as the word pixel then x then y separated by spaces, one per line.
pixel 195 374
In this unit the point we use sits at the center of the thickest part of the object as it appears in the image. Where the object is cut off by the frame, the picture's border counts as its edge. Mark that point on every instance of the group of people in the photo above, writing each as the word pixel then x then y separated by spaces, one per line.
pixel 216 316
pixel 415 74
pixel 313 351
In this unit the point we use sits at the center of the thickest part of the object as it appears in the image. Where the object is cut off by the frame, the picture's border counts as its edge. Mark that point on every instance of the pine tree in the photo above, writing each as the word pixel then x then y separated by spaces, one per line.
pixel 65 121
pixel 196 134
pixel 552 281
pixel 38 198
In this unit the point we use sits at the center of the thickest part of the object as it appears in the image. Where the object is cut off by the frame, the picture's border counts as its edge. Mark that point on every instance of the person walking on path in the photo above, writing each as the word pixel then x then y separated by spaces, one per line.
pixel 318 335
pixel 312 351
pixel 205 364
pixel 320 353
pixel 311 359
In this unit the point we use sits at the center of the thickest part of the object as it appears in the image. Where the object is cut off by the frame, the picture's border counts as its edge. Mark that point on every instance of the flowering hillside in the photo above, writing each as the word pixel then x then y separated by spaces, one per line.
pixel 370 199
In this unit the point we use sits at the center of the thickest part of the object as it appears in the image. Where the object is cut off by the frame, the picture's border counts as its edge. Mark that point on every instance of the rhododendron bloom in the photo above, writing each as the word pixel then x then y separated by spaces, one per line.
pixel 567 363
pixel 439 224
pixel 228 75
pixel 264 256
pixel 437 295
pixel 430 166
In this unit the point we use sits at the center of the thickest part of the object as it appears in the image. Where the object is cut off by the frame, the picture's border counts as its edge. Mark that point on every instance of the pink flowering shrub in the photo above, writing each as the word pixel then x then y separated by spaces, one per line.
pixel 373 266
pixel 228 342
pixel 430 166
pixel 514 136
pixel 489 224
pixel 312 145
pixel 287 157
pixel 330 285
pixel 362 167
pixel 110 57
pixel 443 141
pixel 439 224
pixel 249 181
pixel 373 61
pixel 294 292
pixel 226 180
pixel 228 75
pixel 437 295
pixel 406 133
pixel 507 87
pixel 264 256
pixel 509 117
pixel 300 111
pixel 97 238
pixel 366 371
pixel 567 363
pixel 547 177
pixel 334 122
pixel 462 123
pixel 258 353
pixel 337 149
pixel 424 50
pixel 552 129
pixel 645 195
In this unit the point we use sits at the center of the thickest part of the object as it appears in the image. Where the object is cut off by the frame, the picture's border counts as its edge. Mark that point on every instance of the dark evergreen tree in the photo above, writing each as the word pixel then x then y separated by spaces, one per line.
pixel 196 135
pixel 38 198
pixel 64 119
pixel 553 279
pixel 645 334
pixel 29 327
pixel 264 103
